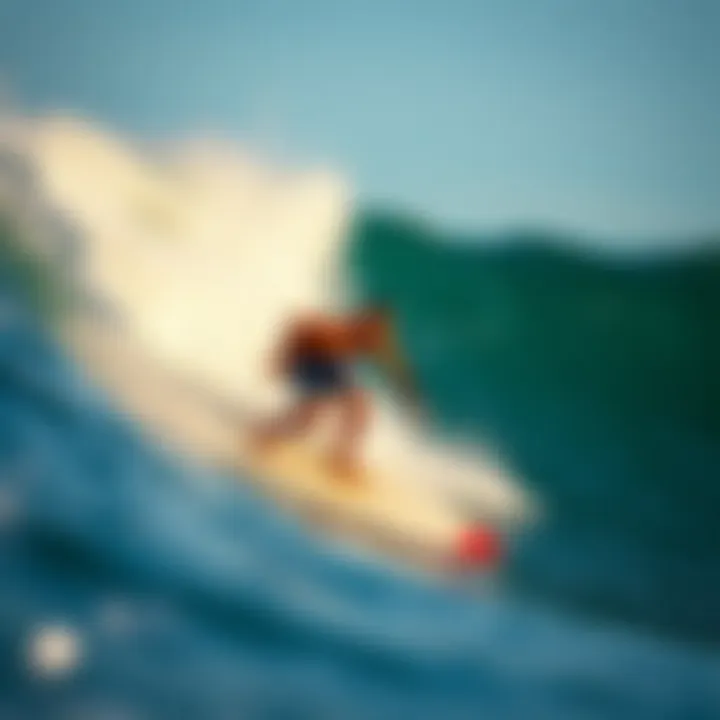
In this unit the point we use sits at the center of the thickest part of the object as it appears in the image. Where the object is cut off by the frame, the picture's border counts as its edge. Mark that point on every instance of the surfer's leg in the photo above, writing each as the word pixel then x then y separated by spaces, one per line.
pixel 354 409
pixel 296 421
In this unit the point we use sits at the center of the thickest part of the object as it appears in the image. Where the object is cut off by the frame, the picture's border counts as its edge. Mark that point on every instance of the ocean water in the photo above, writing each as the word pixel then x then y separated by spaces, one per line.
pixel 595 374
pixel 138 585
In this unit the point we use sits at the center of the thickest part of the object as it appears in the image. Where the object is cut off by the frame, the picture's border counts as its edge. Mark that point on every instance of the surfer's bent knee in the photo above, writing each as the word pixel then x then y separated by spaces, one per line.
pixel 355 405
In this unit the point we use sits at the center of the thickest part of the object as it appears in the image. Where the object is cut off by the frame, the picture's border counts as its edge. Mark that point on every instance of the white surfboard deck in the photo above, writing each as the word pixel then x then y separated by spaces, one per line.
pixel 390 514
pixel 377 511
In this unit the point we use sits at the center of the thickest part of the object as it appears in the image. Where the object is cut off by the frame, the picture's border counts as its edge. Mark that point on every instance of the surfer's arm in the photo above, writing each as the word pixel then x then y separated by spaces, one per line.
pixel 392 363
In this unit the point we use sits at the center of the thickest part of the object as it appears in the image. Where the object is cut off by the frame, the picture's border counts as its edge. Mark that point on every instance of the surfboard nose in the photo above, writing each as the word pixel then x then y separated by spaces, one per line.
pixel 478 546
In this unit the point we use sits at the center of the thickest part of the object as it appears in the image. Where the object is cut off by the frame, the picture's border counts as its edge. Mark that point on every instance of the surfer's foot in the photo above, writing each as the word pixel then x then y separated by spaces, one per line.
pixel 345 469
pixel 261 440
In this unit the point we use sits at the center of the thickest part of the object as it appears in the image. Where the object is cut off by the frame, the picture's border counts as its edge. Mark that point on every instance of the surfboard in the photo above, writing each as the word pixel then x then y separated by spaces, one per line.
pixel 380 512
pixel 373 507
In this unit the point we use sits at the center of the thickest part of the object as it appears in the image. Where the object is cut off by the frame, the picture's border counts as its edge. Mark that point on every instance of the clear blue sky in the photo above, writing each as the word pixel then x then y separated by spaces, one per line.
pixel 601 115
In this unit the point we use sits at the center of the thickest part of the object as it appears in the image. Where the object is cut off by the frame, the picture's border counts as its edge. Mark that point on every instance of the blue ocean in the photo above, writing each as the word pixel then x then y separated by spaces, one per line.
pixel 137 584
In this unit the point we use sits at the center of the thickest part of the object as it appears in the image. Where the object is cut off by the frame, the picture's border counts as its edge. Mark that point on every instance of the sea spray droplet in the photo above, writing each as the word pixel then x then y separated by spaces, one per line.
pixel 54 651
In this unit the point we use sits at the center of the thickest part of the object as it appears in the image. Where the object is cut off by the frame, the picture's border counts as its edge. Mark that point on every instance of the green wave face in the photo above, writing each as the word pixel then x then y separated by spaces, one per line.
pixel 597 377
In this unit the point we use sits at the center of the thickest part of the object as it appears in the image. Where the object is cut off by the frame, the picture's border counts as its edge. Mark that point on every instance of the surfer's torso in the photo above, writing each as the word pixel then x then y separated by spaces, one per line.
pixel 319 352
pixel 319 356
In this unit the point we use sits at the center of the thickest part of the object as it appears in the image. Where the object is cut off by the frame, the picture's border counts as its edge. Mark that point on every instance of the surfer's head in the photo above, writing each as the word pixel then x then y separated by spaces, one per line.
pixel 370 326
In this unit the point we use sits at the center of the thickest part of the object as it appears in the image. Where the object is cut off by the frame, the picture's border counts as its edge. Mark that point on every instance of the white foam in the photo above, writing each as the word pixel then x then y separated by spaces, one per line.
pixel 205 255
pixel 54 651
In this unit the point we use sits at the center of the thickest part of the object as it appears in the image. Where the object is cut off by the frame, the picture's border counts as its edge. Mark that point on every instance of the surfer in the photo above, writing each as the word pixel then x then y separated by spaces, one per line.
pixel 317 356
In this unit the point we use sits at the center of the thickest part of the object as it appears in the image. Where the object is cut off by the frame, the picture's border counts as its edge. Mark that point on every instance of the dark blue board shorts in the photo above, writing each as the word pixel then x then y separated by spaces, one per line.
pixel 320 377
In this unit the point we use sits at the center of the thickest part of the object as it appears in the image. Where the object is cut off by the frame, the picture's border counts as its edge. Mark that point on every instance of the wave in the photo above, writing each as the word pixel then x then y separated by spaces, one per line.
pixel 595 373
pixel 135 585
pixel 589 376
pixel 201 257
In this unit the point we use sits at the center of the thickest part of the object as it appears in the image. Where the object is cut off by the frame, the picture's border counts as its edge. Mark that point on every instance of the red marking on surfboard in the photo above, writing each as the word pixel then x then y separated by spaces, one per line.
pixel 478 546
